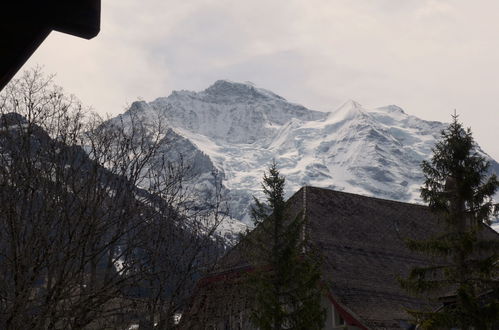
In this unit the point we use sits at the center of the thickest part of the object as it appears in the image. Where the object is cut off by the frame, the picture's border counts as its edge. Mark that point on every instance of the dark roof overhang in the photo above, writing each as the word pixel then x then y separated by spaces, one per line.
pixel 24 25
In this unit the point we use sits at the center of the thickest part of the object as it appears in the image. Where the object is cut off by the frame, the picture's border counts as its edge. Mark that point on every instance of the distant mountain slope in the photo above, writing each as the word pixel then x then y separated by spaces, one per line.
pixel 237 129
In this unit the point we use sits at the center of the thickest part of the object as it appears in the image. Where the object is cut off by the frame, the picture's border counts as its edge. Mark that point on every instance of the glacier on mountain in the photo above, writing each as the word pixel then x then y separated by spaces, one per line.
pixel 236 130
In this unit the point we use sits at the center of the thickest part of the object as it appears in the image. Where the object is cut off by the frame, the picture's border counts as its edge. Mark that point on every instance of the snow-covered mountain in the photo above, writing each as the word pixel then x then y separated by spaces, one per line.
pixel 237 130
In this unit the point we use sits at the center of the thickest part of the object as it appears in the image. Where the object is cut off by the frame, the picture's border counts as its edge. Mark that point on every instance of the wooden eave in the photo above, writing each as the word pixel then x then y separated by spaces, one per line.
pixel 24 25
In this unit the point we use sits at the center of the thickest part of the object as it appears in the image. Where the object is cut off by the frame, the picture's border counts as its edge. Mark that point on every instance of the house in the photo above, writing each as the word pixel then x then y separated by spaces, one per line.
pixel 362 240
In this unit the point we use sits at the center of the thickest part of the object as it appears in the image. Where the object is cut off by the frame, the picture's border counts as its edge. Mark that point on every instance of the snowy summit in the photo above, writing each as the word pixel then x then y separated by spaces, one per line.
pixel 237 129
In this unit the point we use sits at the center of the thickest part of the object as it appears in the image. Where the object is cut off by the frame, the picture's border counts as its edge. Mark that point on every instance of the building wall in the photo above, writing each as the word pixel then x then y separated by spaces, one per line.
pixel 232 313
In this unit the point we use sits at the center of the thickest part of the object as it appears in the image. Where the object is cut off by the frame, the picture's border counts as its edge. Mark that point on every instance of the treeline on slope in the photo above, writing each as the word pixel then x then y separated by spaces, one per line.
pixel 81 245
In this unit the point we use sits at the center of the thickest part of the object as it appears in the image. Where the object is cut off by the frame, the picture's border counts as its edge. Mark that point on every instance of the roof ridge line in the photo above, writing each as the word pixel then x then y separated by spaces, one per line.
pixel 363 196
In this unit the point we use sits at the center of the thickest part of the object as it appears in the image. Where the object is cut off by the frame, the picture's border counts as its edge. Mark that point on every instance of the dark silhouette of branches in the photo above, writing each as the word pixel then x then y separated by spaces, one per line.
pixel 96 231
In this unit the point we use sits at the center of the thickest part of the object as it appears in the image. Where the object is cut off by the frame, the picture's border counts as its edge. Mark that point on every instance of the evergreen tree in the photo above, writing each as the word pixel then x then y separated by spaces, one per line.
pixel 457 189
pixel 285 281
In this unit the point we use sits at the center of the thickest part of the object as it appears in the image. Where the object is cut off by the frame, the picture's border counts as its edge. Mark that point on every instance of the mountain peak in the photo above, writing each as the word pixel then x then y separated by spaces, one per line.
pixel 225 88
pixel 392 108
pixel 240 128
pixel 347 110
pixel 138 105
pixel 352 104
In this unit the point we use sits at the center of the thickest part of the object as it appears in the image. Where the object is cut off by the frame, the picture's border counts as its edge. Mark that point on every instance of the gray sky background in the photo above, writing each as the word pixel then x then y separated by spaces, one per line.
pixel 427 56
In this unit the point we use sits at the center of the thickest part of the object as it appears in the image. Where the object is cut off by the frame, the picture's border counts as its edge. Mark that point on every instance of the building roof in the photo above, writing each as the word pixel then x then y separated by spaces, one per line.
pixel 363 242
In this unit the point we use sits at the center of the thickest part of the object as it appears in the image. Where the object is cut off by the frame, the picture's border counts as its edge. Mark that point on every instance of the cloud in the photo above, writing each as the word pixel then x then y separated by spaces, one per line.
pixel 432 8
pixel 428 56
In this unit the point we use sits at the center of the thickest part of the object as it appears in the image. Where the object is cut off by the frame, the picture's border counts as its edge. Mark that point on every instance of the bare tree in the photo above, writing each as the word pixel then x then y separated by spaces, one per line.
pixel 96 228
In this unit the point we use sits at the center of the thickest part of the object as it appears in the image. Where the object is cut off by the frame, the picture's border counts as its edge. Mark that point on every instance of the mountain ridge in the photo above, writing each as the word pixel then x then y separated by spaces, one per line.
pixel 242 128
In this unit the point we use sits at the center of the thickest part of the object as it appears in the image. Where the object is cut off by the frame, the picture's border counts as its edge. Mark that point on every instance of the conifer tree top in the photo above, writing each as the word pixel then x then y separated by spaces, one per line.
pixel 459 190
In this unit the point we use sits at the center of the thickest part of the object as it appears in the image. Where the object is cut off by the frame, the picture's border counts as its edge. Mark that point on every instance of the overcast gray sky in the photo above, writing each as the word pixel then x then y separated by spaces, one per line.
pixel 427 56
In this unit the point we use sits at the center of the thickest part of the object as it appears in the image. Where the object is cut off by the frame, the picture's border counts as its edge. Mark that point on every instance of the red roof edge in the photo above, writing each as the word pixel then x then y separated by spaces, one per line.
pixel 234 274
pixel 346 315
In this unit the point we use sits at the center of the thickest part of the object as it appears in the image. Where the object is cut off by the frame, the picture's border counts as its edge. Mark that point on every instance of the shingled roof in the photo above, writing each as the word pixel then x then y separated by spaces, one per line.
pixel 362 240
